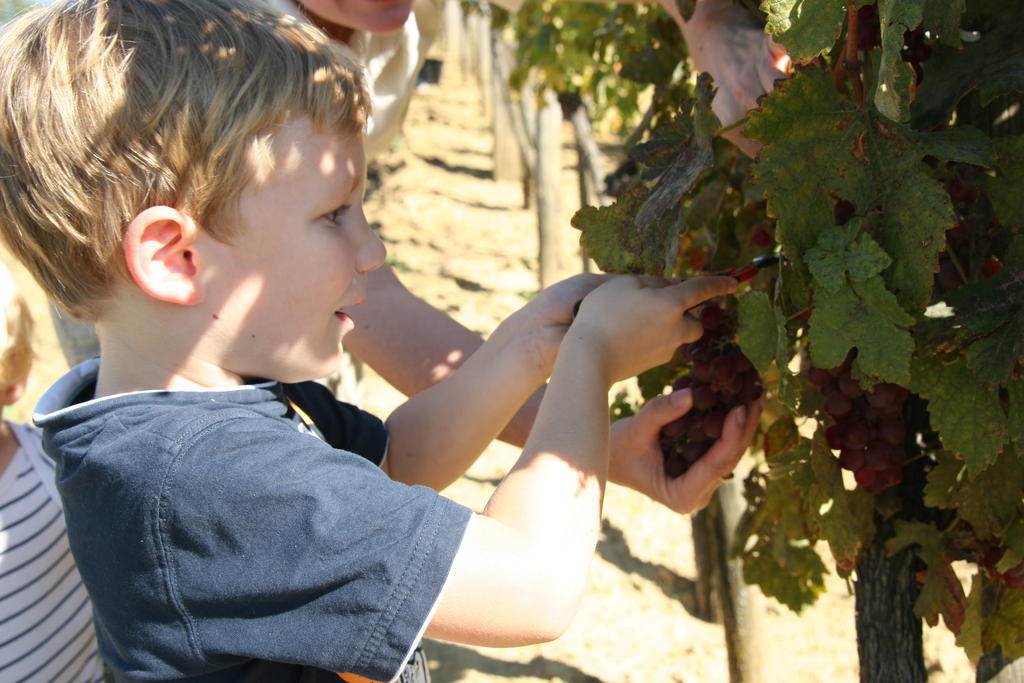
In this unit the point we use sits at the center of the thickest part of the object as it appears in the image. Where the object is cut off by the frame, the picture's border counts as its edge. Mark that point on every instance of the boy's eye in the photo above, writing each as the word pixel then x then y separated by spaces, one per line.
pixel 335 216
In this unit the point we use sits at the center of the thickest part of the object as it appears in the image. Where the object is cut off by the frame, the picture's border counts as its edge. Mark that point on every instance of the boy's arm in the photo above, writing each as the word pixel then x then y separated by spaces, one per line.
pixel 439 433
pixel 522 566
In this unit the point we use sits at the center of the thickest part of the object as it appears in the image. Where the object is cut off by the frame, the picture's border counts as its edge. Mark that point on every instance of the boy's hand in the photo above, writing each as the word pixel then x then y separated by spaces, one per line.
pixel 541 324
pixel 637 322
pixel 637 462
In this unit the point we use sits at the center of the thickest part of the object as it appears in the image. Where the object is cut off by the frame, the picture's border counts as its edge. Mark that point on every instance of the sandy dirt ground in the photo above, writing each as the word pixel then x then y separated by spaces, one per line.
pixel 466 244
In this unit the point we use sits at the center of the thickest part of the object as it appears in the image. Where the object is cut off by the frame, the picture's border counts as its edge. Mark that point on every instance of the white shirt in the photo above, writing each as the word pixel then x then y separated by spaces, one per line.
pixel 46 627
pixel 392 62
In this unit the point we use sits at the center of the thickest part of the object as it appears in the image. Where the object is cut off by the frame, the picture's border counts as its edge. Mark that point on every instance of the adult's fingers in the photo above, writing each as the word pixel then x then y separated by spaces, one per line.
pixel 696 290
pixel 776 61
pixel 661 410
pixel 702 480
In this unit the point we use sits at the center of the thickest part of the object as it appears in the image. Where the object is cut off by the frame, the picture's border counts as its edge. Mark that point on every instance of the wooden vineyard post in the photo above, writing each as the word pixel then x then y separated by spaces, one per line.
pixel 485 62
pixel 512 150
pixel 721 593
pixel 552 234
pixel 454 38
pixel 588 156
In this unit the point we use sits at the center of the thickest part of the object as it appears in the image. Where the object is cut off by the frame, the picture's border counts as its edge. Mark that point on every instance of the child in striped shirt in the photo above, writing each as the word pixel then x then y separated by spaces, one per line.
pixel 46 629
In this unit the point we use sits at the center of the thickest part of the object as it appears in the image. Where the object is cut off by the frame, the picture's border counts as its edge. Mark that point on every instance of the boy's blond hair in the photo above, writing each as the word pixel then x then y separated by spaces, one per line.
pixel 15 332
pixel 111 106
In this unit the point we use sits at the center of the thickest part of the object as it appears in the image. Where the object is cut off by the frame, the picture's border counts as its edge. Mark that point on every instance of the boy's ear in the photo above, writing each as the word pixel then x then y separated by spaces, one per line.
pixel 159 250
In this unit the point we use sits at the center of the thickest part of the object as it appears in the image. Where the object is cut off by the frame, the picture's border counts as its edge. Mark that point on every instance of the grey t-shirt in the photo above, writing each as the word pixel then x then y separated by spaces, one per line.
pixel 222 538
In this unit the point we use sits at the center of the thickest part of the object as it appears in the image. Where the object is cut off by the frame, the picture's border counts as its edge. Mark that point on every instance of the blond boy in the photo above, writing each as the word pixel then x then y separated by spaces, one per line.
pixel 46 630
pixel 188 174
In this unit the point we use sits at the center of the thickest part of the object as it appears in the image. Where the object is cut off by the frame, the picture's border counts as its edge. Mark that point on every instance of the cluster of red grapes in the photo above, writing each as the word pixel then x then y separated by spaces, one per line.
pixel 720 378
pixel 869 430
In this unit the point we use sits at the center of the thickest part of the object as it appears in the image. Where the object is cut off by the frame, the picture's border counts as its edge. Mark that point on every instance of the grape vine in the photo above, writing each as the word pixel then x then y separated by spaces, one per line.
pixel 890 339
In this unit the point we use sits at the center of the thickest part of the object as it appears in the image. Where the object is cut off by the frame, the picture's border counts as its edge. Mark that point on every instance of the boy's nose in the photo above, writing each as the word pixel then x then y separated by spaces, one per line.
pixel 372 252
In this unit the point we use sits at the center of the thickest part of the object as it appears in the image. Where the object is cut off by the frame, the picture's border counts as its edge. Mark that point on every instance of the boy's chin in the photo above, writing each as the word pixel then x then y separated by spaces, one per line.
pixel 311 372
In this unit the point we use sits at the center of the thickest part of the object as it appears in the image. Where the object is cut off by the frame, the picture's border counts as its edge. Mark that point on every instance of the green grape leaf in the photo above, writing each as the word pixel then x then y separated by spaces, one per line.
pixel 781 437
pixel 988 321
pixel 776 534
pixel 994 618
pixel 787 389
pixel 806 27
pixel 1013 537
pixel 943 480
pixel 866 316
pixel 649 64
pixel 963 143
pixel 991 500
pixel 794 589
pixel 692 156
pixel 875 164
pixel 1004 190
pixel 993 357
pixel 942 20
pixel 894 84
pixel 992 65
pixel 1005 625
pixel 971 635
pixel 1015 419
pixel 847 517
pixel 941 593
pixel 969 419
pixel 840 251
pixel 758 333
pixel 659 152
pixel 611 237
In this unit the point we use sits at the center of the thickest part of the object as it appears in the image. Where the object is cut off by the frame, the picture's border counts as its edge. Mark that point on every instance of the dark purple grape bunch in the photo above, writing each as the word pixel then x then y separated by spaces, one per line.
pixel 720 378
pixel 869 431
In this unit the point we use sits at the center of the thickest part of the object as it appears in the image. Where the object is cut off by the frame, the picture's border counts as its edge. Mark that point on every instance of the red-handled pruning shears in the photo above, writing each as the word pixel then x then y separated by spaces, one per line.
pixel 744 273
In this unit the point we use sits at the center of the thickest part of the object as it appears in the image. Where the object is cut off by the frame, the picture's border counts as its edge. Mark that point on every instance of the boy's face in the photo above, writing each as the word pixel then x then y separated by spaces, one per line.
pixel 281 289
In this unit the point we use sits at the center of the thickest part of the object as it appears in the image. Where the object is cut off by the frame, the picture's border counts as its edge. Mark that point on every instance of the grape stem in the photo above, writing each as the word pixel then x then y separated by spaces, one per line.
pixel 800 313
pixel 732 126
pixel 849 58
pixel 956 264
pixel 917 457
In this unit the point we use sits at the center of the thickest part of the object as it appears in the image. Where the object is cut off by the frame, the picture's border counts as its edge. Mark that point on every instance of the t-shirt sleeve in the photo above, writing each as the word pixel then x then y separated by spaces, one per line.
pixel 292 551
pixel 342 425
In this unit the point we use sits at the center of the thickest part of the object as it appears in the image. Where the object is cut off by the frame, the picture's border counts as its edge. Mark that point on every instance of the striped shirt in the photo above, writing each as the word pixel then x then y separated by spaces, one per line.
pixel 46 629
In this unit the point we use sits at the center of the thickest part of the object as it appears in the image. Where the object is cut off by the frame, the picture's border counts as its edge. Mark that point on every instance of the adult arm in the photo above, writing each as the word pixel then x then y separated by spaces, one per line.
pixel 413 345
pixel 725 40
